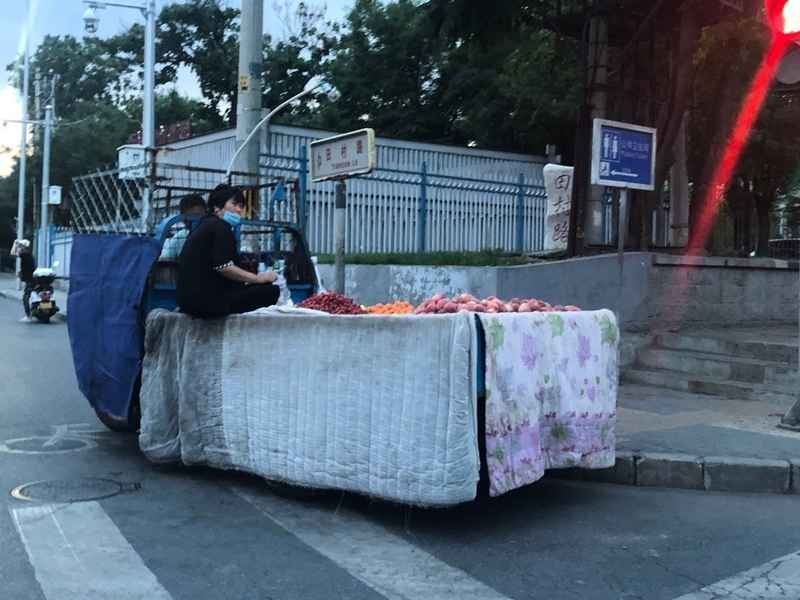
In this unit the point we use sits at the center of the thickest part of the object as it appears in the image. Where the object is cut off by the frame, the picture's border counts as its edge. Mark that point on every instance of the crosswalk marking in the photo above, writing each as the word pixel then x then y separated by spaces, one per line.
pixel 78 553
pixel 381 560
pixel 778 579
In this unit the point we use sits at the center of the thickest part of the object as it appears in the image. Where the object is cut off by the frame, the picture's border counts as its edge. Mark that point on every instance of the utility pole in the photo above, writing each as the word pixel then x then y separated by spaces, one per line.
pixel 23 146
pixel 44 233
pixel 148 108
pixel 251 62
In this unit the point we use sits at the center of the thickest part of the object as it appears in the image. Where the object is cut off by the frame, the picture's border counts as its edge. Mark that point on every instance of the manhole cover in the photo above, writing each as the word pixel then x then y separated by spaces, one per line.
pixel 46 445
pixel 70 490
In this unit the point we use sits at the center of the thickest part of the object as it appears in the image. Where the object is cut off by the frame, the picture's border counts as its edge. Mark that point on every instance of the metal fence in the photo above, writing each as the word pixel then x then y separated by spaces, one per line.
pixel 391 210
pixel 112 201
pixel 403 210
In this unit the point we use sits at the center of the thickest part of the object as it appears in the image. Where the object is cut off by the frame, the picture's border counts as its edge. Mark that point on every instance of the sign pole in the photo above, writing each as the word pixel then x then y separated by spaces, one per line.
pixel 335 159
pixel 622 224
pixel 339 216
pixel 621 208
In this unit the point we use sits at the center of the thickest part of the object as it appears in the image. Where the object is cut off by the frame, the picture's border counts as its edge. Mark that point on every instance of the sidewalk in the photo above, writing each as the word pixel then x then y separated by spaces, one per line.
pixel 9 289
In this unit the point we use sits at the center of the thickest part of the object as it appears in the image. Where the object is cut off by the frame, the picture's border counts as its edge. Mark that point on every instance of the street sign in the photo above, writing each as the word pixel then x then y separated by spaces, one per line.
pixel 54 196
pixel 132 161
pixel 623 155
pixel 343 155
pixel 558 181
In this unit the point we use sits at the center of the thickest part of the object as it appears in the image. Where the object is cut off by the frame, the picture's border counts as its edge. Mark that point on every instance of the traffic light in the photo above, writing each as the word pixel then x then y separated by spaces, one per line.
pixel 784 17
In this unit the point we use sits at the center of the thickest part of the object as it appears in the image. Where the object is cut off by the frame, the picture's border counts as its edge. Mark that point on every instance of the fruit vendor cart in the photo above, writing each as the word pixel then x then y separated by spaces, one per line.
pixel 118 274
pixel 423 409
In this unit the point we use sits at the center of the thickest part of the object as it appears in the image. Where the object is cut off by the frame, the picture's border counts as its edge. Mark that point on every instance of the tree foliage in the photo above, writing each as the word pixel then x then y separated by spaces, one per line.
pixel 507 75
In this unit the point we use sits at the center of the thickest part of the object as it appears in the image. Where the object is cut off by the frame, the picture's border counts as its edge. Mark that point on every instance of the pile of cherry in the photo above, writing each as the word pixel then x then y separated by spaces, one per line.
pixel 335 304
pixel 441 304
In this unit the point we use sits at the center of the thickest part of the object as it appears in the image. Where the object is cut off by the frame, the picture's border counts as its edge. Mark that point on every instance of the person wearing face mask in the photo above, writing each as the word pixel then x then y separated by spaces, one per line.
pixel 211 282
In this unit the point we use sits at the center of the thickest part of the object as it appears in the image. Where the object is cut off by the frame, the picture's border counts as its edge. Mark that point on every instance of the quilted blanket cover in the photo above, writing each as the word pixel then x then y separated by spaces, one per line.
pixel 551 394
pixel 383 406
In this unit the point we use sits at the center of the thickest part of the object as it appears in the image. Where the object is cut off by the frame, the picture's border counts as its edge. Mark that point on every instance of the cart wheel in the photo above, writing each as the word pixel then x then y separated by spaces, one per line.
pixel 113 423
pixel 44 319
pixel 129 425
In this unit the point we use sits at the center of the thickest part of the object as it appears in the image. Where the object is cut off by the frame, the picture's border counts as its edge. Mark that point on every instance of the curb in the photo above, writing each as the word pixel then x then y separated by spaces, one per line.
pixel 689 472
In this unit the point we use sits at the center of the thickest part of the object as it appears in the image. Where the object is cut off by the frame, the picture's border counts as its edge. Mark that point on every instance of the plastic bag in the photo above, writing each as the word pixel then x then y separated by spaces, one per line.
pixel 285 299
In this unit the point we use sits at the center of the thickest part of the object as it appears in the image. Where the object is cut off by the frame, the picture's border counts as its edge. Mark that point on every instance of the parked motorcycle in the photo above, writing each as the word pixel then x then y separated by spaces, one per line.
pixel 43 301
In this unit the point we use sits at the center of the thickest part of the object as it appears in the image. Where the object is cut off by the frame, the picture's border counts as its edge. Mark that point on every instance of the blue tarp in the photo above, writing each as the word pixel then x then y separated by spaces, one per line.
pixel 107 278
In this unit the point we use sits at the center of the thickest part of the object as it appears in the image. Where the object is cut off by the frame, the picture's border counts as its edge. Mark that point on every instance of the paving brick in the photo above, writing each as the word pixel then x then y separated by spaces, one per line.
pixel 670 470
pixel 734 474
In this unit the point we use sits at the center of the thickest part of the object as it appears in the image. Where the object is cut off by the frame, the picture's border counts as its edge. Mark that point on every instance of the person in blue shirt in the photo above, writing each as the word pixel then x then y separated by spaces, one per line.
pixel 192 208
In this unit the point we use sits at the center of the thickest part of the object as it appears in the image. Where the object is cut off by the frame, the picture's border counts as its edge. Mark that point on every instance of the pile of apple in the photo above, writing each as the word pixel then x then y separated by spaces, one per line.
pixel 441 304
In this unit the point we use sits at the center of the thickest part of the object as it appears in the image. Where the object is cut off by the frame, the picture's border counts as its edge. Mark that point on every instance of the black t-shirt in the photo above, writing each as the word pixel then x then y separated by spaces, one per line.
pixel 201 289
pixel 27 267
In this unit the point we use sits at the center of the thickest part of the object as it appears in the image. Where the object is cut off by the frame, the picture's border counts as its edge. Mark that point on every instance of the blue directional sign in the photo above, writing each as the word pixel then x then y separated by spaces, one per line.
pixel 623 155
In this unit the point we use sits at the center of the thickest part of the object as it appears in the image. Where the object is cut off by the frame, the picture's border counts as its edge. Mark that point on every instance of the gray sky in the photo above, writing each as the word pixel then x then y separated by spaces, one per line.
pixel 60 17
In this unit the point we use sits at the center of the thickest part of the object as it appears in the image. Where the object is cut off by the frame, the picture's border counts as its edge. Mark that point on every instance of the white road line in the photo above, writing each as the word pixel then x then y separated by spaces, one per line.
pixel 78 553
pixel 776 580
pixel 381 560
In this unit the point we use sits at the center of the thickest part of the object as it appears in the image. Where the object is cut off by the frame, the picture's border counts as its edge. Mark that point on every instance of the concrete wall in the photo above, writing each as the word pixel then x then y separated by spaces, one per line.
pixel 723 290
pixel 650 291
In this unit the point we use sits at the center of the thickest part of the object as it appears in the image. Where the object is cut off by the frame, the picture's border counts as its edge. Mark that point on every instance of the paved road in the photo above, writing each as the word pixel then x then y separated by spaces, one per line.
pixel 199 534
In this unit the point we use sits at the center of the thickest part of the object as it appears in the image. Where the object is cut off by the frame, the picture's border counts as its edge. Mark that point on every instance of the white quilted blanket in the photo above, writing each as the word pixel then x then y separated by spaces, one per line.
pixel 384 406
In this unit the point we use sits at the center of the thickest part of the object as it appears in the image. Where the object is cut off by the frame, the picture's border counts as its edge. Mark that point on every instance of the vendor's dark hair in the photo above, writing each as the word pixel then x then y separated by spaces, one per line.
pixel 222 193
pixel 191 201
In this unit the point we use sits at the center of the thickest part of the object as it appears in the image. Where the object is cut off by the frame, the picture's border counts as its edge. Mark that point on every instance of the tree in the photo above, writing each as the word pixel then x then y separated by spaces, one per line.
pixel 727 59
pixel 386 70
pixel 203 36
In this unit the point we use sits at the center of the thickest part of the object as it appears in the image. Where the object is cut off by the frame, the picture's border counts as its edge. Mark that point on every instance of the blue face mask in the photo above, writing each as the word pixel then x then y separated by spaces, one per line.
pixel 232 219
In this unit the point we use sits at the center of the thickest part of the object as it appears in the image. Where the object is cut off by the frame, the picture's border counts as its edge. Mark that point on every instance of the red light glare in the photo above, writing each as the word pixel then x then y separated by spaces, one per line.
pixel 784 17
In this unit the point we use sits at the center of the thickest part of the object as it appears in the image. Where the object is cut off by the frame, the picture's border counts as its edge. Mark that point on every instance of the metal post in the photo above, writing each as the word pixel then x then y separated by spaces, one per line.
pixel 148 104
pixel 302 189
pixel 23 151
pixel 621 218
pixel 44 246
pixel 622 227
pixel 339 216
pixel 248 102
pixel 422 210
pixel 520 245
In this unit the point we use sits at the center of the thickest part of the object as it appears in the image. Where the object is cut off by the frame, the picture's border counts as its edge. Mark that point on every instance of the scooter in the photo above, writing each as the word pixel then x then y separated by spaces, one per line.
pixel 43 302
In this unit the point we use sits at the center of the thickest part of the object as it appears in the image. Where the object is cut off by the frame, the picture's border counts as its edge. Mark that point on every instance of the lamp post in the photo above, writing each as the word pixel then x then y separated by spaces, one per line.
pixel 148 10
pixel 23 150
pixel 312 85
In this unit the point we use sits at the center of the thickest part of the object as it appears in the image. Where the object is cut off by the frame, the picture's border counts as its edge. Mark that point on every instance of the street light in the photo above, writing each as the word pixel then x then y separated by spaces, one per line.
pixel 311 85
pixel 90 21
pixel 148 10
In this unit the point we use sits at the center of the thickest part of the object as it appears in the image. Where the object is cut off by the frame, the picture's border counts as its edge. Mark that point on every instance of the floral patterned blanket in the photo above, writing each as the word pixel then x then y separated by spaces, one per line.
pixel 551 394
